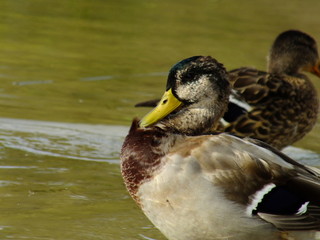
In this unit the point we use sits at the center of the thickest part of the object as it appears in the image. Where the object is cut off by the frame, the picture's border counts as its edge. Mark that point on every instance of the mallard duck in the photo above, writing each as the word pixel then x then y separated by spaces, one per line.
pixel 279 106
pixel 198 186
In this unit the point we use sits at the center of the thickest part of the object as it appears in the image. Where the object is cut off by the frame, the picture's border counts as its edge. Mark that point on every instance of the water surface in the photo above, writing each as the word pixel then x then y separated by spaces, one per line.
pixel 70 73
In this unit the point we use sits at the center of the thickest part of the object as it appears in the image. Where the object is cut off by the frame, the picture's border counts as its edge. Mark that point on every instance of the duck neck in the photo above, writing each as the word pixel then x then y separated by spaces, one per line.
pixel 283 65
pixel 141 155
pixel 289 63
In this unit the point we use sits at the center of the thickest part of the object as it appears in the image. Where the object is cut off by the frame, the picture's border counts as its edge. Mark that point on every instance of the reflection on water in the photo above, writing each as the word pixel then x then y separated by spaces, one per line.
pixel 90 62
pixel 72 141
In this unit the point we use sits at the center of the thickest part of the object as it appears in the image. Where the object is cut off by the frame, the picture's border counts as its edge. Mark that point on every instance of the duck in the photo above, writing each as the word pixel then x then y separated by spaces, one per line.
pixel 278 106
pixel 194 184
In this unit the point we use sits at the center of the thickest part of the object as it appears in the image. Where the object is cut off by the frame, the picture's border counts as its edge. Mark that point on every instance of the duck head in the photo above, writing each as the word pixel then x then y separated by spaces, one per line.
pixel 196 97
pixel 293 52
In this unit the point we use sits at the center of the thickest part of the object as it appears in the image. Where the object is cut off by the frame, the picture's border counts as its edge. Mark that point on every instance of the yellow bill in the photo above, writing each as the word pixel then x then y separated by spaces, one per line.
pixel 167 104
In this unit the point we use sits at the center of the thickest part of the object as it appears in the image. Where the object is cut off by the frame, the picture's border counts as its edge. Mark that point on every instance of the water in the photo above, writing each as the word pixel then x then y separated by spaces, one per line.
pixel 70 72
pixel 62 181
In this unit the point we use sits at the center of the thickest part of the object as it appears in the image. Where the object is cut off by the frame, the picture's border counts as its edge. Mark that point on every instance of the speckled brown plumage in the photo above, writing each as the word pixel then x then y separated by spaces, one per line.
pixel 284 108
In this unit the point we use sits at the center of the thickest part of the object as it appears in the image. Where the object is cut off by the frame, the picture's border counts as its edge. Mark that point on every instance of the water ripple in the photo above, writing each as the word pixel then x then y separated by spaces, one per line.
pixel 63 140
pixel 85 141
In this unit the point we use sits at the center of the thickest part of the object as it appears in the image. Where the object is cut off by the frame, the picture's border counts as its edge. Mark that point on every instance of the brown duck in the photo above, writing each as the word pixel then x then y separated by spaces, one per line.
pixel 279 106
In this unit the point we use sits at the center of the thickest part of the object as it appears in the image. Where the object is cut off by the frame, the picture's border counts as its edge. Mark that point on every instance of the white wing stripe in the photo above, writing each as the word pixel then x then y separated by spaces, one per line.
pixel 257 198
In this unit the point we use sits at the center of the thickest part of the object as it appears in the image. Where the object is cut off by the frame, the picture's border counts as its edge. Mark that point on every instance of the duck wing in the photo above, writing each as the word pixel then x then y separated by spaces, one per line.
pixel 264 181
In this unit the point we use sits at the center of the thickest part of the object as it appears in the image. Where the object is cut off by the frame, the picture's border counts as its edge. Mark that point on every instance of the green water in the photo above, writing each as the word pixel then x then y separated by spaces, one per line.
pixel 72 70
